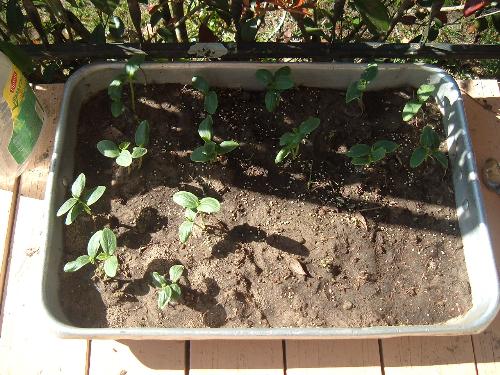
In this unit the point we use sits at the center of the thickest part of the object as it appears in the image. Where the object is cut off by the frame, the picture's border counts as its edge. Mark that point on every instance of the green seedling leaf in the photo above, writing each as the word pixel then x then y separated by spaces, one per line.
pixel 186 199
pixel 205 129
pixel 78 186
pixel 124 145
pixel 116 28
pixel 283 72
pixel 410 109
pixel 190 214
pixel 115 89
pixel 76 264
pixel 200 84
pixel 133 65
pixel 124 159
pixel 176 291
pixel 93 195
pixel 362 160
pixel 66 206
pixel 369 73
pixel 377 154
pixel 359 150
pixel 441 158
pixel 117 108
pixel 108 148
pixel 185 230
pixel 211 102
pixel 175 273
pixel 388 146
pixel 94 244
pixel 227 146
pixel 142 134
pixel 353 92
pixel 164 297
pixel 102 256
pixel 138 152
pixel 271 100
pixel 282 155
pixel 283 82
pixel 308 126
pixel 264 76
pixel 417 157
pixel 73 213
pixel 200 155
pixel 108 241
pixel 424 92
pixel 429 138
pixel 290 138
pixel 111 266
pixel 158 280
pixel 209 205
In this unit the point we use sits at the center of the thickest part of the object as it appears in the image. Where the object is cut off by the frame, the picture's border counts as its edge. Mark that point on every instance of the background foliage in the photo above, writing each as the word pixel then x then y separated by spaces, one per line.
pixel 51 22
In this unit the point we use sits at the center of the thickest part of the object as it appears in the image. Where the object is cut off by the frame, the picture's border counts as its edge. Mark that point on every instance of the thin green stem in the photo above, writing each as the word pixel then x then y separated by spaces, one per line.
pixel 132 95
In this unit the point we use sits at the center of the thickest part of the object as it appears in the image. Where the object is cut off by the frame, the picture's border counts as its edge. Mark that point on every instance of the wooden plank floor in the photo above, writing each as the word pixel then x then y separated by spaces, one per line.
pixel 26 347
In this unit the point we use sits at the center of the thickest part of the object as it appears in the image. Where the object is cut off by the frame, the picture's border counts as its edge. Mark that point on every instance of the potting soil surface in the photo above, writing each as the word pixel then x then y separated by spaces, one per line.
pixel 314 242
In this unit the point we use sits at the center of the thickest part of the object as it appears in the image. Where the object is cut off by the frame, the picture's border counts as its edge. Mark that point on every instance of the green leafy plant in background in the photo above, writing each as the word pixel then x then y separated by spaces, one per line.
pixel 362 154
pixel 105 240
pixel 210 101
pixel 210 150
pixel 80 200
pixel 356 89
pixel 129 76
pixel 412 107
pixel 429 148
pixel 194 208
pixel 290 142
pixel 169 289
pixel 275 84
pixel 120 153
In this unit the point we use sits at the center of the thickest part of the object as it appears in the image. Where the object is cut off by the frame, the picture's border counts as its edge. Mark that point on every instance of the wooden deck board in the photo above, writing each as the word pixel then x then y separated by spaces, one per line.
pixel 325 357
pixel 236 357
pixel 137 357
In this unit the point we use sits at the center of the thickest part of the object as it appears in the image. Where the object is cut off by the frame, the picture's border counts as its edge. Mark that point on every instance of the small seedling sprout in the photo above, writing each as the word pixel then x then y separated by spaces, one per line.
pixel 275 84
pixel 169 289
pixel 356 89
pixel 115 88
pixel 429 148
pixel 194 207
pixel 210 101
pixel 362 154
pixel 120 153
pixel 80 200
pixel 290 142
pixel 210 150
pixel 412 107
pixel 105 240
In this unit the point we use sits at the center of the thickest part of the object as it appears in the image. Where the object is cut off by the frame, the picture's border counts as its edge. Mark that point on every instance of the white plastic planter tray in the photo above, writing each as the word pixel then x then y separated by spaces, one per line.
pixel 478 251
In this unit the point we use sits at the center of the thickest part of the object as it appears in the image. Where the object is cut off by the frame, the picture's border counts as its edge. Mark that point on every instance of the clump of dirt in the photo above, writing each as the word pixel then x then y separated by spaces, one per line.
pixel 315 242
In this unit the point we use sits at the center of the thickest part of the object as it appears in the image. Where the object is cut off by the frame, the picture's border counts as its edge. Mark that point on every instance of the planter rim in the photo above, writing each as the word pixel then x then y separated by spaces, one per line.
pixel 464 171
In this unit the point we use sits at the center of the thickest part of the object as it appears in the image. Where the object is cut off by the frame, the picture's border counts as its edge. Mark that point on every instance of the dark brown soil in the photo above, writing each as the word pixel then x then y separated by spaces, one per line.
pixel 380 245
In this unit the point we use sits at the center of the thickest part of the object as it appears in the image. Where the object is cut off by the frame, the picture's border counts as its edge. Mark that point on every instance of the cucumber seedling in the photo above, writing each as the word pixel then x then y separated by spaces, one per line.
pixel 362 154
pixel 194 208
pixel 210 150
pixel 115 88
pixel 123 157
pixel 169 289
pixel 356 89
pixel 412 107
pixel 429 148
pixel 290 142
pixel 275 84
pixel 80 200
pixel 105 240
pixel 210 101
